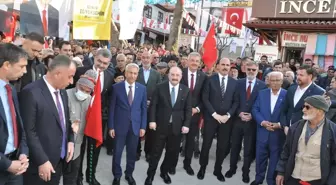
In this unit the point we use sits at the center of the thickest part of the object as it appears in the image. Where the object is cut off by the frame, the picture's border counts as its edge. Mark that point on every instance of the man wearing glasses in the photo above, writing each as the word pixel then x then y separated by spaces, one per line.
pixel 270 137
pixel 244 126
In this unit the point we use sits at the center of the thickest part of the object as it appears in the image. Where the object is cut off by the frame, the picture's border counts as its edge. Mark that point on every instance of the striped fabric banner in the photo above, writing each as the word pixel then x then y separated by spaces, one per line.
pixel 321 44
pixel 311 44
pixel 315 59
pixel 331 45
pixel 328 61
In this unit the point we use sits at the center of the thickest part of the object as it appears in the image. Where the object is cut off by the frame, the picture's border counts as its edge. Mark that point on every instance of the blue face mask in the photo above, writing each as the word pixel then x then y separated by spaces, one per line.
pixel 80 95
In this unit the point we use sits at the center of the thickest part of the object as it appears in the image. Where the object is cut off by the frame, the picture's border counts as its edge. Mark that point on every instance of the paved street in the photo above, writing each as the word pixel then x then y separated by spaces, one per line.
pixel 105 177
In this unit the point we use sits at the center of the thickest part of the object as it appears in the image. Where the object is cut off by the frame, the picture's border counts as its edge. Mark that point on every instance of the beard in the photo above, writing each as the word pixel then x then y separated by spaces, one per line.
pixel 308 117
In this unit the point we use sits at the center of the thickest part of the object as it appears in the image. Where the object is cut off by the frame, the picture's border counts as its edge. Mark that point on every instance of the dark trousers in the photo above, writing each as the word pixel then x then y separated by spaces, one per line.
pixel 131 142
pixel 70 175
pixel 149 139
pixel 108 143
pixel 33 178
pixel 190 140
pixel 247 131
pixel 267 157
pixel 172 143
pixel 292 181
pixel 7 178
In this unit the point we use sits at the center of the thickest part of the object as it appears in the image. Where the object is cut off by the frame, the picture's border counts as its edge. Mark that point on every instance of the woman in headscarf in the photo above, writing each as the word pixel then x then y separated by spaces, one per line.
pixel 79 101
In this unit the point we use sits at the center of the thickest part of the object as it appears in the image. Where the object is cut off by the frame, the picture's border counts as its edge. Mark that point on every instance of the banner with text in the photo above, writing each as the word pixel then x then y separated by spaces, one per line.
pixel 92 19
pixel 130 16
pixel 271 52
pixel 295 40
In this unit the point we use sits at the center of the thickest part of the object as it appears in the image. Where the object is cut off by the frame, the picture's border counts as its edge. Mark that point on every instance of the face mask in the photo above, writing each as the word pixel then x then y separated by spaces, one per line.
pixel 80 95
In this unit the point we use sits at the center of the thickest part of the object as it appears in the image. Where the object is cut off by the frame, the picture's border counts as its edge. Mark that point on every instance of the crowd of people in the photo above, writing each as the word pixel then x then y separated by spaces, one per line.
pixel 280 115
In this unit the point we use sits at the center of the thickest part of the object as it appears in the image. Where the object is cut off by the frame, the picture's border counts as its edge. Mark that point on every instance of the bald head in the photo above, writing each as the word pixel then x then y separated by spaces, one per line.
pixel 175 75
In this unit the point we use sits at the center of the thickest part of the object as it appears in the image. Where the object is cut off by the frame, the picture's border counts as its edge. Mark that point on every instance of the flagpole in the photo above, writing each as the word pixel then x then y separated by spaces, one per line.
pixel 200 26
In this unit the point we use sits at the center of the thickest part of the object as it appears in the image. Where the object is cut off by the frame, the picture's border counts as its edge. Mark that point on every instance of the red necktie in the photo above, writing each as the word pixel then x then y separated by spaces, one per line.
pixel 192 83
pixel 13 114
pixel 44 22
pixel 248 91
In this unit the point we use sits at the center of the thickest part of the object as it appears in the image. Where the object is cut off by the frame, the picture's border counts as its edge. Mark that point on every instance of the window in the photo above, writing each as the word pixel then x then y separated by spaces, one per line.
pixel 160 17
pixel 148 12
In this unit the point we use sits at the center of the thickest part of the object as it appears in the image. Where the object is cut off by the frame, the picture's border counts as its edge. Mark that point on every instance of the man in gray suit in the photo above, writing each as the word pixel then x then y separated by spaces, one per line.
pixel 148 77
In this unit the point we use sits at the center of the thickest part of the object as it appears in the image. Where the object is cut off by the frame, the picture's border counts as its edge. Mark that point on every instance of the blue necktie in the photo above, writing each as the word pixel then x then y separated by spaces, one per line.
pixel 172 96
pixel 61 116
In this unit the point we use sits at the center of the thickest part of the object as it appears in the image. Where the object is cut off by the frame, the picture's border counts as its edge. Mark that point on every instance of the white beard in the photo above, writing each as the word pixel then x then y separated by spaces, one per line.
pixel 308 117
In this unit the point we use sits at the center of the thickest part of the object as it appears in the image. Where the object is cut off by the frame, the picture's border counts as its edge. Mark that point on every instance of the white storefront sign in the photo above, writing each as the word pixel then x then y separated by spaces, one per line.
pixel 270 51
pixel 292 39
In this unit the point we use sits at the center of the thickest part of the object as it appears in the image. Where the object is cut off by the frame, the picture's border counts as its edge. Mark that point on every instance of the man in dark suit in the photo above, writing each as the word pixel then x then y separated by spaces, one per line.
pixel 291 112
pixel 170 114
pixel 101 63
pixel 244 126
pixel 39 16
pixel 220 102
pixel 13 146
pixel 150 78
pixel 45 113
pixel 127 121
pixel 270 137
pixel 194 79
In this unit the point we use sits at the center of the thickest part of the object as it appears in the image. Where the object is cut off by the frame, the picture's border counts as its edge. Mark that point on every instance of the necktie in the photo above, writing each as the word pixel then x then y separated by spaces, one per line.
pixel 61 116
pixel 130 95
pixel 172 96
pixel 223 87
pixel 13 115
pixel 44 22
pixel 248 91
pixel 192 83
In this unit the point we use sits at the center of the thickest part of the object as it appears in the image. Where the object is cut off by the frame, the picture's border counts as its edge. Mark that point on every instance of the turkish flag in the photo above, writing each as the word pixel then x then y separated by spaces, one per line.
pixel 210 48
pixel 234 18
pixel 94 128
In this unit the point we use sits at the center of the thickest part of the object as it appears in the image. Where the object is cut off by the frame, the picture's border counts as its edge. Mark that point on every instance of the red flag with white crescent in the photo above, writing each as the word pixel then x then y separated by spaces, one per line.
pixel 234 18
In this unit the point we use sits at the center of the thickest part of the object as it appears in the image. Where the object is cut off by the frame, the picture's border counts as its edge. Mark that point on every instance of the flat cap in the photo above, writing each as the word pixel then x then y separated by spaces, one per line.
pixel 162 65
pixel 318 102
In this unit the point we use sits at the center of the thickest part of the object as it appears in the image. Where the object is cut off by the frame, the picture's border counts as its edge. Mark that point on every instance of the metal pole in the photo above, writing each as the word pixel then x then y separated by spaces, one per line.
pixel 200 26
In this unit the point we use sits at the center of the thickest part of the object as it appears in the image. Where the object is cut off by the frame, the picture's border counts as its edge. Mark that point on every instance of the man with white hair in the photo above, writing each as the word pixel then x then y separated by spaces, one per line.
pixel 270 137
pixel 290 76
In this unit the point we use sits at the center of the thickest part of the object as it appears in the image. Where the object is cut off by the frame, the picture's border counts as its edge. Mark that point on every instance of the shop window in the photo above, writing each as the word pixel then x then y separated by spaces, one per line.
pixel 148 12
pixel 160 17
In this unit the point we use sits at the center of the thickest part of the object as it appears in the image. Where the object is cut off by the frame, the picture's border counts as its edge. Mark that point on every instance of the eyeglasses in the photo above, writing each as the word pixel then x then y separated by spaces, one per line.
pixel 307 107
pixel 249 69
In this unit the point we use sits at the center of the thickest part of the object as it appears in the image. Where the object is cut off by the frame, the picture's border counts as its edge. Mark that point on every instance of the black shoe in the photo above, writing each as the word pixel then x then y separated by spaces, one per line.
pixel 189 170
pixel 201 173
pixel 138 157
pixel 109 152
pixel 149 180
pixel 93 181
pixel 130 180
pixel 148 158
pixel 230 173
pixel 255 183
pixel 79 181
pixel 172 171
pixel 219 176
pixel 116 181
pixel 166 178
pixel 196 155
pixel 182 154
pixel 246 178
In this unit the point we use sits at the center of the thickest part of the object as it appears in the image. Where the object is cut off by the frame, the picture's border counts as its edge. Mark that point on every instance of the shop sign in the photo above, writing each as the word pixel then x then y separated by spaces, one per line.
pixel 294 9
pixel 270 51
pixel 296 40
pixel 240 3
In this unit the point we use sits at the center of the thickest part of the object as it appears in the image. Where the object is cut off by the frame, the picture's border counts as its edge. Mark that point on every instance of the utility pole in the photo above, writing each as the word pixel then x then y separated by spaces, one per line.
pixel 200 26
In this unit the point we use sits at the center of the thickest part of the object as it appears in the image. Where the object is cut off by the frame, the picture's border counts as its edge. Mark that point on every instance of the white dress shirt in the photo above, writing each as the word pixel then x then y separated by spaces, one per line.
pixel 176 89
pixel 274 99
pixel 189 78
pixel 252 84
pixel 101 78
pixel 299 93
pixel 225 80
pixel 41 7
pixel 52 92
pixel 127 88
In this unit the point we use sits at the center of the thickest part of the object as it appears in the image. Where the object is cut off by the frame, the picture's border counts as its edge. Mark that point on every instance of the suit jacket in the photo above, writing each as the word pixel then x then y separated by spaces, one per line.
pixel 161 108
pixel 212 94
pixel 107 87
pixel 122 114
pixel 30 19
pixel 196 94
pixel 291 114
pixel 153 80
pixel 246 105
pixel 23 148
pixel 261 111
pixel 286 162
pixel 324 82
pixel 42 124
